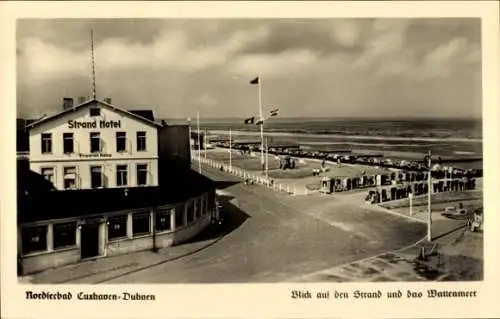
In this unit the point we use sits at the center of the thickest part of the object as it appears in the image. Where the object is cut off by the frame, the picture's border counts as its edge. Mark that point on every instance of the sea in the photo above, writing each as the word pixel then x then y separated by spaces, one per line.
pixel 451 139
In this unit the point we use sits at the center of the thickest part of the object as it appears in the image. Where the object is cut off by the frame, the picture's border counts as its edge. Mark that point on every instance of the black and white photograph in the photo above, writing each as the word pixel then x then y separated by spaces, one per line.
pixel 197 159
pixel 266 150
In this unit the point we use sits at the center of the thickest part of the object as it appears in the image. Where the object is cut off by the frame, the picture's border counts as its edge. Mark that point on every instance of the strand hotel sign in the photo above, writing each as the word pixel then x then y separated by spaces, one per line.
pixel 94 124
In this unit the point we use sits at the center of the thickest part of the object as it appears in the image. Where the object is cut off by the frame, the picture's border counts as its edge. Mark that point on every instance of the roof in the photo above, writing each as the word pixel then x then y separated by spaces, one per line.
pixel 89 103
pixel 182 185
pixel 147 114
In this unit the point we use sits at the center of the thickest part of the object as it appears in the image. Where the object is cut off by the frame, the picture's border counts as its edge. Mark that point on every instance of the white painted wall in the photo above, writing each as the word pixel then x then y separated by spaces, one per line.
pixel 131 157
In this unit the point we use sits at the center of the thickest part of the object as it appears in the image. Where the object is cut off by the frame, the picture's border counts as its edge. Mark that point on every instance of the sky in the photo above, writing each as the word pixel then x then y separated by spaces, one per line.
pixel 308 67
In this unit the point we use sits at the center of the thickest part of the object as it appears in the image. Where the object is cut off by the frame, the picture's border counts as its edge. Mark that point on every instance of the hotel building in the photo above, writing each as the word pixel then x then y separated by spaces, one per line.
pixel 95 180
pixel 95 145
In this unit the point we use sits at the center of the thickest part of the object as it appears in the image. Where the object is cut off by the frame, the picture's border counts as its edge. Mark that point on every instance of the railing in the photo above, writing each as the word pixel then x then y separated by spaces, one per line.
pixel 252 178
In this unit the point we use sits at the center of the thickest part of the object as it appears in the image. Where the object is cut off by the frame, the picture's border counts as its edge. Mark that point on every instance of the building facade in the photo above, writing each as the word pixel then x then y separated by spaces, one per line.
pixel 98 181
pixel 95 145
pixel 61 241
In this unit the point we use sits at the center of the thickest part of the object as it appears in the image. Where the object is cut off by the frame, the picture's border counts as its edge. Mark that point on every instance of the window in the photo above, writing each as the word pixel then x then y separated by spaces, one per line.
pixel 179 216
pixel 68 144
pixel 95 142
pixel 162 221
pixel 70 177
pixel 48 173
pixel 95 111
pixel 141 141
pixel 121 175
pixel 202 205
pixel 34 239
pixel 96 176
pixel 141 223
pixel 117 227
pixel 190 212
pixel 64 235
pixel 210 201
pixel 121 141
pixel 142 174
pixel 197 203
pixel 46 143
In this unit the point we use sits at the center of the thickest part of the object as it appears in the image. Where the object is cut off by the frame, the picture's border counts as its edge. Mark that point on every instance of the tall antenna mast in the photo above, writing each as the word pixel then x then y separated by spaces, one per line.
pixel 93 63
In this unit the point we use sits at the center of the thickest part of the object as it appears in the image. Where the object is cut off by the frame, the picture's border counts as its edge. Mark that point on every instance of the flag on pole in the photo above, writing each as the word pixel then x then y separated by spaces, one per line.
pixel 274 112
pixel 259 121
pixel 250 120
pixel 255 81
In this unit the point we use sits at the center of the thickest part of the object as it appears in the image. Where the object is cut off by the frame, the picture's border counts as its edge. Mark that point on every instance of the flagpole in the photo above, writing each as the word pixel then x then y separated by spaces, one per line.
pixel 230 151
pixel 199 141
pixel 190 136
pixel 205 143
pixel 267 157
pixel 262 122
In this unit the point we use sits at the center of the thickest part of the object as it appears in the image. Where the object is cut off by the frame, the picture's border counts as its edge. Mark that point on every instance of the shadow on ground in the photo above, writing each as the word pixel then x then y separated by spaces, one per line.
pixel 232 218
pixel 225 184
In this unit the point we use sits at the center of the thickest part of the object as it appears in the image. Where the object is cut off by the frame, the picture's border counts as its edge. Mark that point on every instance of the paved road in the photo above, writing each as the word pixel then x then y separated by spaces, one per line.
pixel 276 237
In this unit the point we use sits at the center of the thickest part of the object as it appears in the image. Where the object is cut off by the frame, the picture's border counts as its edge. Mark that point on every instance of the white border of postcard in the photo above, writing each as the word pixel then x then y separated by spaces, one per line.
pixel 249 300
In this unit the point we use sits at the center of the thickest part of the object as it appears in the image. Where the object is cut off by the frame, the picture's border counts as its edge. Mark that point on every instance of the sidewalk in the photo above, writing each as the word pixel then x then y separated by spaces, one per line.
pixel 399 265
pixel 103 269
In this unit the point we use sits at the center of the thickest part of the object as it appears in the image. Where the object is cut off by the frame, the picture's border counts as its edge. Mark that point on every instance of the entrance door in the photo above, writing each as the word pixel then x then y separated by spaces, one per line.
pixel 89 240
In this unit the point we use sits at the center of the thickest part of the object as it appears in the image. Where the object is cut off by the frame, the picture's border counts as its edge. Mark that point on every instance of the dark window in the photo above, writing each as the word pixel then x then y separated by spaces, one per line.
pixel 95 176
pixel 95 142
pixel 68 144
pixel 121 141
pixel 117 227
pixel 210 201
pixel 70 177
pixel 179 216
pixel 140 223
pixel 203 205
pixel 141 141
pixel 34 239
pixel 197 208
pixel 64 235
pixel 190 212
pixel 46 143
pixel 95 111
pixel 121 175
pixel 142 174
pixel 163 219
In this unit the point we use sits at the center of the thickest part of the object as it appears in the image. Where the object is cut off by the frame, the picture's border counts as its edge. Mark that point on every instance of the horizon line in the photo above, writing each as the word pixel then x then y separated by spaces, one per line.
pixel 340 118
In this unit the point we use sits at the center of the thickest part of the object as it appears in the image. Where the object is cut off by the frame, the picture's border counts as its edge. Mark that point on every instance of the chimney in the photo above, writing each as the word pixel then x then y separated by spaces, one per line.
pixel 107 100
pixel 81 100
pixel 67 103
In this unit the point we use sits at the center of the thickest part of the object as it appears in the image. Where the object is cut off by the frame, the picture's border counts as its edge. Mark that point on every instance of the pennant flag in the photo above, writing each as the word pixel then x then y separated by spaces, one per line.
pixel 274 112
pixel 255 81
pixel 259 122
pixel 250 120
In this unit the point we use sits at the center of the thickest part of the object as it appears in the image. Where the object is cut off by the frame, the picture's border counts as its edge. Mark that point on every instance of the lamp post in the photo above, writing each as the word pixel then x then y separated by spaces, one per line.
pixel 410 196
pixel 429 192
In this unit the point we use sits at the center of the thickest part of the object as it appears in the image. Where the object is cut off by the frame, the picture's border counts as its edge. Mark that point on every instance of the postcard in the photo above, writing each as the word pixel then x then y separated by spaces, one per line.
pixel 249 159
